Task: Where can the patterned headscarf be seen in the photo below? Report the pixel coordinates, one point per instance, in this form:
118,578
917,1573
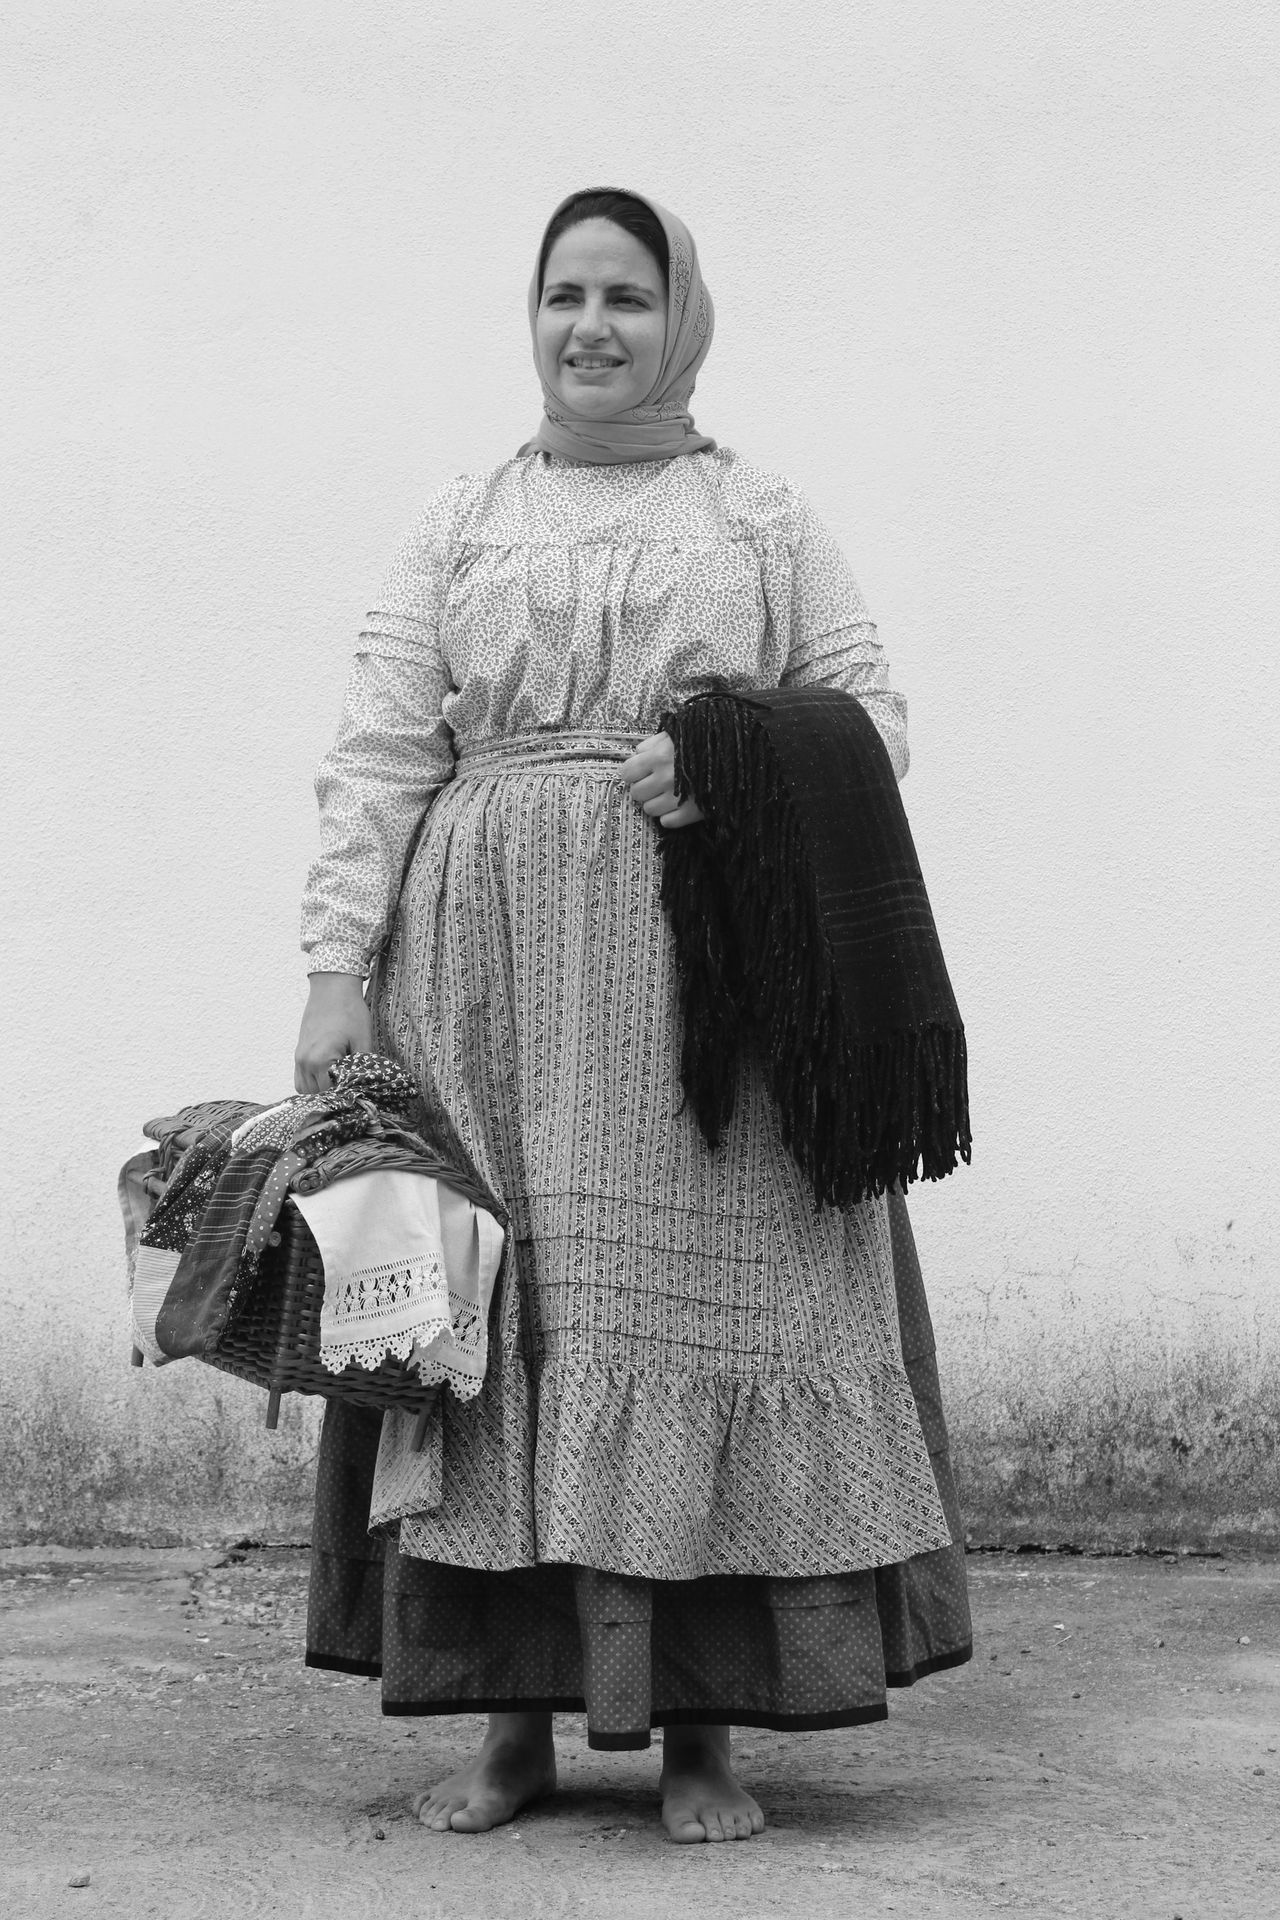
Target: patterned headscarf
662,426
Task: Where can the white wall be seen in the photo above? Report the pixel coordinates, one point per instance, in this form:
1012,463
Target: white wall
996,283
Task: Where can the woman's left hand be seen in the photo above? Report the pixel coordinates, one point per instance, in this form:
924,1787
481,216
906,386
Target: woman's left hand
651,775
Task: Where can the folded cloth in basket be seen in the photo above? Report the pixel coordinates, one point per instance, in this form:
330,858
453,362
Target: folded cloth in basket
200,1211
409,1270
163,1196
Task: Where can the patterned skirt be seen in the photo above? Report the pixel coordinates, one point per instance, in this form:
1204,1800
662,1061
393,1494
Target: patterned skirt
697,1411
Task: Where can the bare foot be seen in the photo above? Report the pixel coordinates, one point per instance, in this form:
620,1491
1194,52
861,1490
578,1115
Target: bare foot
701,1800
515,1764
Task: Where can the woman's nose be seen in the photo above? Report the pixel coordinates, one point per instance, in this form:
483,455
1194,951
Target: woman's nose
593,322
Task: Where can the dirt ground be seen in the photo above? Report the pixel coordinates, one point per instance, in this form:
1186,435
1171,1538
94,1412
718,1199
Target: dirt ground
1112,1750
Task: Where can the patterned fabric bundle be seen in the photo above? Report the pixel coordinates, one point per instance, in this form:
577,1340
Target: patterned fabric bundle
191,1322
800,917
365,1087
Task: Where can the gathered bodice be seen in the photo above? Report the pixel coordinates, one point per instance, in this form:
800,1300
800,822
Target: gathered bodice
550,596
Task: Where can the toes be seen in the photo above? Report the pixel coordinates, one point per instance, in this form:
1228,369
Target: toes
686,1830
480,1817
433,1812
757,1820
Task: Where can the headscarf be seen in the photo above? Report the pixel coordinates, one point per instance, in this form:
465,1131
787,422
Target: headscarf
662,425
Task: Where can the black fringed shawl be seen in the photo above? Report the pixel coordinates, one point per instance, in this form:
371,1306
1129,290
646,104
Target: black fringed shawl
801,921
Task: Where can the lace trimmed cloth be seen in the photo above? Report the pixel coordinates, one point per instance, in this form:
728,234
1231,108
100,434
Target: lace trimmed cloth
409,1267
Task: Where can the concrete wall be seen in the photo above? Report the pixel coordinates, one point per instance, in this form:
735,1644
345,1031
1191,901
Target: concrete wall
996,284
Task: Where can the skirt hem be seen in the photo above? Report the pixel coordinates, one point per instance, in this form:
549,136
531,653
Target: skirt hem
937,1663
899,1677
336,1663
639,1739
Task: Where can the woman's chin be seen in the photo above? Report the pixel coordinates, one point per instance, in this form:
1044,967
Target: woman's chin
595,402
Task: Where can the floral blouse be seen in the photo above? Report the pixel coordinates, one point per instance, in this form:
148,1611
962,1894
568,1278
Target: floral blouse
551,596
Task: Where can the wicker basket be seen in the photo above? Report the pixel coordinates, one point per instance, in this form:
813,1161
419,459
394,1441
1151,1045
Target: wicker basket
273,1337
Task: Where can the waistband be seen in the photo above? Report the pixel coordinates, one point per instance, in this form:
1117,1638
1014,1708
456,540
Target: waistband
591,754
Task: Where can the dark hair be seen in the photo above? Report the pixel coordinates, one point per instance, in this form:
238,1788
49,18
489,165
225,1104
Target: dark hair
608,203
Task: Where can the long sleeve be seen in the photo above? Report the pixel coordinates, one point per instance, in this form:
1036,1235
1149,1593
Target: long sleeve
392,753
833,641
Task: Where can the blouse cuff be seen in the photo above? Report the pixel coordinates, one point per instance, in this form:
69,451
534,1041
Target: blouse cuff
323,959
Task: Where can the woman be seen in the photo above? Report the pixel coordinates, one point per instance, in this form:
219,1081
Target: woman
695,1490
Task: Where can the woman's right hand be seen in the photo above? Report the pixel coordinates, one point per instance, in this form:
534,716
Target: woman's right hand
336,1022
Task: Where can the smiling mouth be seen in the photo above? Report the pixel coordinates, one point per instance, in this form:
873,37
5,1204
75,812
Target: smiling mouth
591,362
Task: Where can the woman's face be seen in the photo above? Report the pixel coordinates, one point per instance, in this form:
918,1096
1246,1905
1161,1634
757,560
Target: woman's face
602,320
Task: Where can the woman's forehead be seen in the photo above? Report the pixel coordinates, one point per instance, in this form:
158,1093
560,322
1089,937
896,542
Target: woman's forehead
596,251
